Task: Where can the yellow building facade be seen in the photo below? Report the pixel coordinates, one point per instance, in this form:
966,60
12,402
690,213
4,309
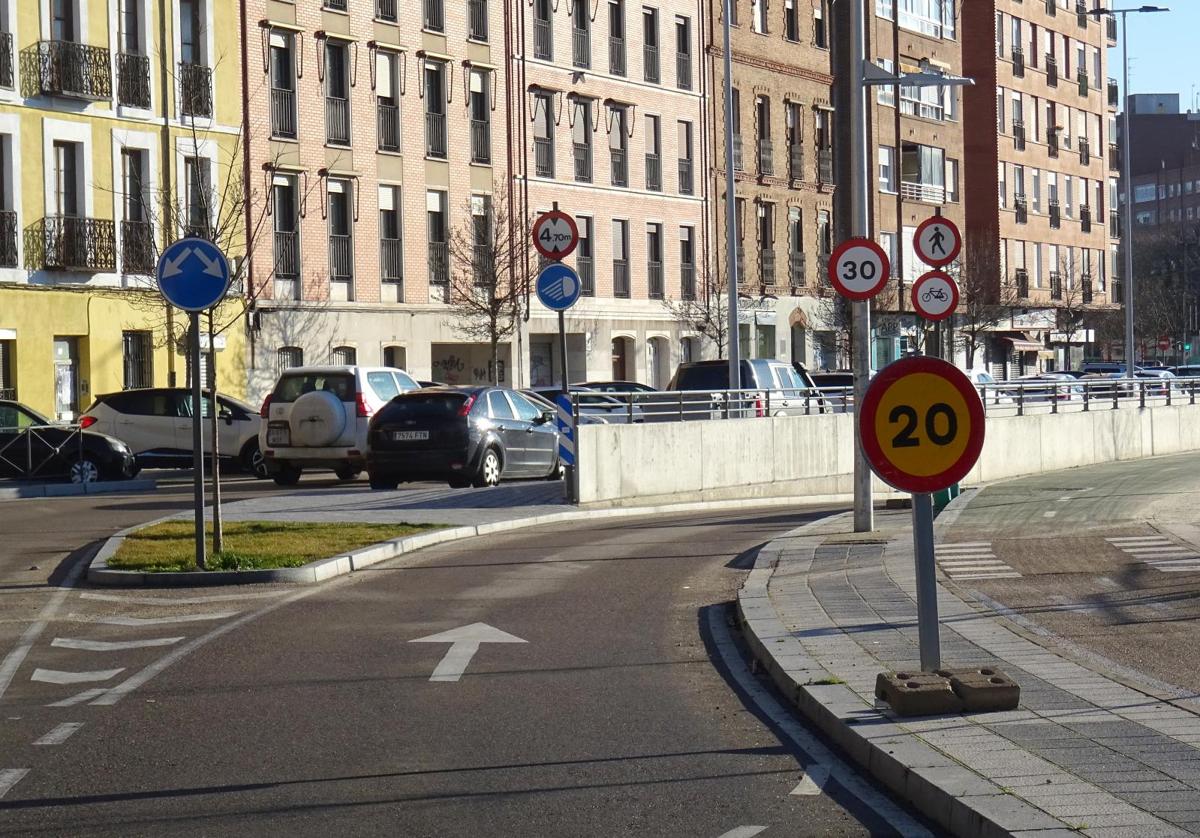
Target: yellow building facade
120,131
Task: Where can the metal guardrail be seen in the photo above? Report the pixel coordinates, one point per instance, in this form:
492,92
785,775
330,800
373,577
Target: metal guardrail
29,461
1004,398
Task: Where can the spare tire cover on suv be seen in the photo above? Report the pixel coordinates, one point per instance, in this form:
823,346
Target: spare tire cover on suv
317,419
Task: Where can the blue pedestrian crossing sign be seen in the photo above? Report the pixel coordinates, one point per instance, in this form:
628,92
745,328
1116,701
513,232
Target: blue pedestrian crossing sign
558,287
193,274
566,429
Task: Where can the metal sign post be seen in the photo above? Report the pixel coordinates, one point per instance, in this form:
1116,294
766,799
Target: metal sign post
193,274
927,608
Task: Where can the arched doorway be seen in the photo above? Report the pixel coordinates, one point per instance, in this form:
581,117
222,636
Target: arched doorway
658,362
622,359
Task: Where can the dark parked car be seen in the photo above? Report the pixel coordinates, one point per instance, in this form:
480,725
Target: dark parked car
31,446
777,388
619,387
542,402
836,387
463,435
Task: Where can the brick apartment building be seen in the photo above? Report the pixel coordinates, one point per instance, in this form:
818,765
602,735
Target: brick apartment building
783,167
1040,172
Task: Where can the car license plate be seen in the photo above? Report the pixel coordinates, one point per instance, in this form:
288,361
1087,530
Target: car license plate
279,436
409,436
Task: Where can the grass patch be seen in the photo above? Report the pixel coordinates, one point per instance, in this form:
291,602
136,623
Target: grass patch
831,681
250,545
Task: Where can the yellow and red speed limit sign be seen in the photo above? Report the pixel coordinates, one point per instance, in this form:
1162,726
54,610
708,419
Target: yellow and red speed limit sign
921,424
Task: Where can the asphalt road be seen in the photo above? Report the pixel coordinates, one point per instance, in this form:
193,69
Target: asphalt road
626,710
1108,557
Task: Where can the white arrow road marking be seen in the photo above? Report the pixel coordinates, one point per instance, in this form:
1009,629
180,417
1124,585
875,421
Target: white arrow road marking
171,267
9,777
153,621
58,676
813,782
464,643
59,734
12,662
744,832
79,698
191,600
111,646
211,266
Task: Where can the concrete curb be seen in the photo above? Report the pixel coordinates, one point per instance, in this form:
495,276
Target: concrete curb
63,490
99,573
941,788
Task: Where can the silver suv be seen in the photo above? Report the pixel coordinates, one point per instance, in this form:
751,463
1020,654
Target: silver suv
317,417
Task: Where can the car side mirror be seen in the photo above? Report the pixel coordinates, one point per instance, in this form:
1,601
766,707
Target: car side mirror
546,416
227,415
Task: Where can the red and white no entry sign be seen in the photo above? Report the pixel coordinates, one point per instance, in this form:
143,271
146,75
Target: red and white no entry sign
935,295
937,241
859,269
555,234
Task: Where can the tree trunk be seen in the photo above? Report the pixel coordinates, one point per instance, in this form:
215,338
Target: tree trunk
214,417
495,358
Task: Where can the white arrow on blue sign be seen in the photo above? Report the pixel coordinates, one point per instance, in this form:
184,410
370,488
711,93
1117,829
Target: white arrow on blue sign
566,429
193,274
558,287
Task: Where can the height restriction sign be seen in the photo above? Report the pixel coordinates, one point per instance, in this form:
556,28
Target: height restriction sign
555,235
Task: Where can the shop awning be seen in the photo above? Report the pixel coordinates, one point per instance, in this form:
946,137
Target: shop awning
1022,343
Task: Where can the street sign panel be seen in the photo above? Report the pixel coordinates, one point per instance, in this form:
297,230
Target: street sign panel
193,274
558,287
566,429
921,424
935,295
1164,343
937,241
858,269
555,234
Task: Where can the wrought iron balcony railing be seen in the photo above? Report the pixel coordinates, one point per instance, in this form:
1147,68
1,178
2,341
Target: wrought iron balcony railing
825,165
686,186
8,238
621,278
654,279
543,157
687,281
581,48
653,172
283,113
61,242
797,269
620,171
477,20
137,248
7,69
543,40
195,90
341,258
766,267
391,261
481,141
337,120
766,157
683,70
133,80
650,69
287,254
586,269
439,263
582,154
483,266
1110,28
796,161
65,68
616,56
387,115
386,10
336,5
435,135
435,15
1018,62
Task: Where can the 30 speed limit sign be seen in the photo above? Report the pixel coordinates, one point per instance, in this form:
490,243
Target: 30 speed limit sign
859,269
921,424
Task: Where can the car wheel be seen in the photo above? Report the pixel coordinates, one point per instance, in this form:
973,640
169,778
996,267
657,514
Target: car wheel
383,482
253,461
347,473
489,469
287,476
85,470
559,472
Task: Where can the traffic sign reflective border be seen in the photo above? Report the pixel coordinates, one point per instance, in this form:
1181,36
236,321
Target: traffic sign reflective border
921,424
950,249
555,234
935,295
859,269
193,274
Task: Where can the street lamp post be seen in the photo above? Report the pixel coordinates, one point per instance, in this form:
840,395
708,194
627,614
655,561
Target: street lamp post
1127,177
732,331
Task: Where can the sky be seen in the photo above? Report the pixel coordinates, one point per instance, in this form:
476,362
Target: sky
1162,51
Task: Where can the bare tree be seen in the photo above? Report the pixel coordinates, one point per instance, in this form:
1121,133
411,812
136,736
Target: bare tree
986,298
705,312
488,257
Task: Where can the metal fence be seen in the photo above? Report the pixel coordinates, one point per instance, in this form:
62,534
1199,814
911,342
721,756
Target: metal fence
32,453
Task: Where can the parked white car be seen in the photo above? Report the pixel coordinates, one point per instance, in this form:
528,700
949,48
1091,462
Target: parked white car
156,424
317,417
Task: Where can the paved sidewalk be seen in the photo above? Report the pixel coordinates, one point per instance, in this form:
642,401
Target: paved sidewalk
827,610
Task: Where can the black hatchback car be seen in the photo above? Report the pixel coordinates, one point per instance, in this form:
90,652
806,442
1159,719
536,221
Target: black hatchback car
33,447
463,435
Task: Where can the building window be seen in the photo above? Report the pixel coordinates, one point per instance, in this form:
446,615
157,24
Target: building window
341,241
66,179
766,243
820,31
581,140
824,234
683,53
952,181
923,173
289,357
824,138
481,126
887,168
737,130
391,245
435,109
387,100
619,168
796,266
137,357
687,263
654,260
283,85
686,163
343,356
758,16
885,94
137,239
477,20
650,63
483,257
435,15
197,202
395,357
437,226
766,156
543,135
543,33
195,77
337,93
581,34
584,256
285,212
616,37
791,21
620,247
653,154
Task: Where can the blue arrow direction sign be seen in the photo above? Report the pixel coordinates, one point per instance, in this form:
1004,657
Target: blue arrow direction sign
193,274
566,429
558,287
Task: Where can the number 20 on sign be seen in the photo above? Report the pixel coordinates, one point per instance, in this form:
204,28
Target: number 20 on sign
922,425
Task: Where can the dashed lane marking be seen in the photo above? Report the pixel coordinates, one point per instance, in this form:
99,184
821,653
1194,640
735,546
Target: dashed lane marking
79,698
111,645
743,832
58,676
59,734
137,622
9,777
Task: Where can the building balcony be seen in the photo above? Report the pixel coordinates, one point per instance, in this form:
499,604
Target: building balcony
1018,135
1114,157
283,113
391,261
687,281
654,279
133,80
287,254
650,68
337,120
1114,224
1085,218
795,161
586,269
1081,14
1051,70
686,185
825,165
683,70
1021,206
65,68
1055,215
481,141
616,56
341,258
1116,291
8,76
619,167
72,243
439,263
1021,280
929,193
653,173
766,267
195,90
582,154
581,48
8,239
387,116
797,270
1114,95
483,266
543,157
1018,62
543,40
137,248
1110,28
621,278
435,135
1056,285
477,20
766,157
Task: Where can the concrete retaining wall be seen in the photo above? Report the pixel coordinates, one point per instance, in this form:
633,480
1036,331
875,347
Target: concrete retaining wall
812,455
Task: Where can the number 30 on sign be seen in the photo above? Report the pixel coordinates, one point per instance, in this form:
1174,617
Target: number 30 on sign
858,269
921,424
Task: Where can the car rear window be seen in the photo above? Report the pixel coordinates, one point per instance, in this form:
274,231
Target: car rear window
292,387
703,377
426,406
145,403
383,384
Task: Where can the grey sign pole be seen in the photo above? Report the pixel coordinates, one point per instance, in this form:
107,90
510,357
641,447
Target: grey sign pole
927,608
569,477
197,437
